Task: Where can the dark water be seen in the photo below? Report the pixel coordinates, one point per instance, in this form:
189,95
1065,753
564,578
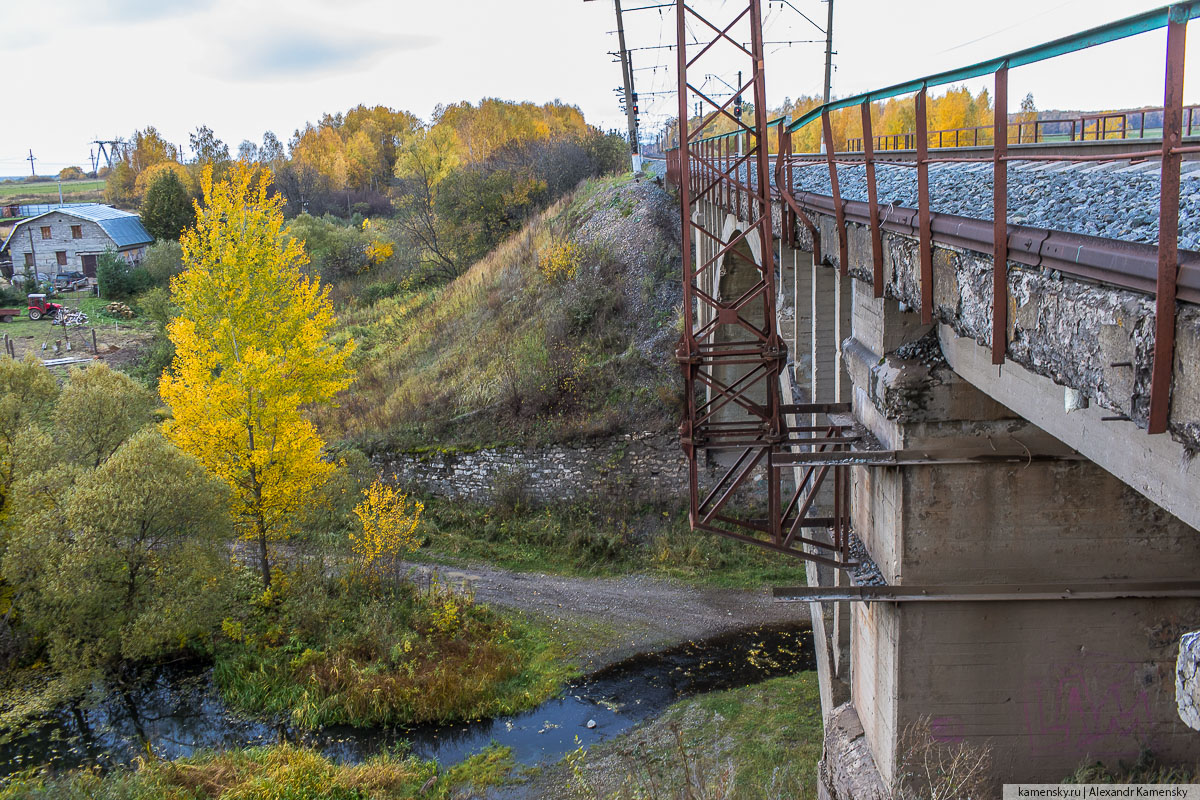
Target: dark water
175,711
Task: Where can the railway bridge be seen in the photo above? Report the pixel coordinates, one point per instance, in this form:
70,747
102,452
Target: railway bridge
976,421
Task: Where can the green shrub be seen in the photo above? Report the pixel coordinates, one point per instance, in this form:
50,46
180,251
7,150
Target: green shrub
12,296
381,290
155,304
118,279
361,651
163,261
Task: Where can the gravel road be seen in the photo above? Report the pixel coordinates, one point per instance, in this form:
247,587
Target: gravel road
605,620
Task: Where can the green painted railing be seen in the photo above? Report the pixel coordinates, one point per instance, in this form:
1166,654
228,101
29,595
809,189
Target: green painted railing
1111,32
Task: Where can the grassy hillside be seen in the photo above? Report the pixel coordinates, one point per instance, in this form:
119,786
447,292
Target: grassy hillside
566,330
758,742
85,191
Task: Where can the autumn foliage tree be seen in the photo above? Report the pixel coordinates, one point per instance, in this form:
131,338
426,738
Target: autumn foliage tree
251,351
954,108
389,521
139,153
477,172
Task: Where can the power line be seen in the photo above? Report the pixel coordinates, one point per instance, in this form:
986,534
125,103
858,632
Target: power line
801,13
1009,27
647,8
744,44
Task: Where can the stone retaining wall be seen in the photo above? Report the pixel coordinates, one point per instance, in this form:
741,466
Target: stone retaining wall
643,468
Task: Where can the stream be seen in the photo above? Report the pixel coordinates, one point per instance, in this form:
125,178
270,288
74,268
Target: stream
174,711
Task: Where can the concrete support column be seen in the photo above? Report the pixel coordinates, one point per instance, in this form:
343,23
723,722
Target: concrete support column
823,338
802,299
1043,685
843,305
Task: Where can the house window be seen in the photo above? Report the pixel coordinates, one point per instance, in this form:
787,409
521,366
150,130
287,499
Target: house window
29,259
45,231
76,231
61,255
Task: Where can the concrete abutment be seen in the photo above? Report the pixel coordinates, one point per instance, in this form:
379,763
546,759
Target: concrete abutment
1042,685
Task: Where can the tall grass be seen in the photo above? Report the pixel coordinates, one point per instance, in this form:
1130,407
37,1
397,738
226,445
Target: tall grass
505,351
1146,768
598,537
759,742
279,772
357,652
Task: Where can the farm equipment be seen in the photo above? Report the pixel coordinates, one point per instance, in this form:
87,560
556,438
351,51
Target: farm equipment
40,307
9,314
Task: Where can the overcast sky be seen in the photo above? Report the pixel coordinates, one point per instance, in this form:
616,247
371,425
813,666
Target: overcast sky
85,69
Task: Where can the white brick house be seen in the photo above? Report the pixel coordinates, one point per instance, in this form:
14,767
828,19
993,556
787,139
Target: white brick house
70,238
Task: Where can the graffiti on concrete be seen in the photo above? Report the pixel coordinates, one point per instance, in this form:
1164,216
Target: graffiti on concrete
1096,707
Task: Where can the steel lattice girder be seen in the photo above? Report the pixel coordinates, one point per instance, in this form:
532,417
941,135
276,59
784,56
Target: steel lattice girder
739,334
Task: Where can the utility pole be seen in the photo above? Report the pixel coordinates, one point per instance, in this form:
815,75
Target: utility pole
32,258
829,51
31,159
630,98
737,112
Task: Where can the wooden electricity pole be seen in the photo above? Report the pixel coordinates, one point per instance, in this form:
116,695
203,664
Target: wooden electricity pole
630,99
829,51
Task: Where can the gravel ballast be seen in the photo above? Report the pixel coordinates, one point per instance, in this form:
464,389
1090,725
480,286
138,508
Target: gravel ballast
1112,200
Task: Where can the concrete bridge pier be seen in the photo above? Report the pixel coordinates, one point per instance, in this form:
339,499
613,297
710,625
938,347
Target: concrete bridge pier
1042,685
817,301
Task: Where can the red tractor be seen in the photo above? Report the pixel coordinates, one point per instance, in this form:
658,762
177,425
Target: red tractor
40,307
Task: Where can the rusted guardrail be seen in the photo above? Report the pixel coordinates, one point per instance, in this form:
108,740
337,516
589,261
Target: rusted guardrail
721,160
1106,126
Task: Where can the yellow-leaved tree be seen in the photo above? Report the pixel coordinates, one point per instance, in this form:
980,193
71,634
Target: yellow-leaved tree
252,349
389,526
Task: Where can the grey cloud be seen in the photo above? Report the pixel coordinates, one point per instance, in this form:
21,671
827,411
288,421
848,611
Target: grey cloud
299,53
65,14
131,11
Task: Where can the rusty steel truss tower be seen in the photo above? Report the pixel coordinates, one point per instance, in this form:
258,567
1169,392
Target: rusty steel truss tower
736,425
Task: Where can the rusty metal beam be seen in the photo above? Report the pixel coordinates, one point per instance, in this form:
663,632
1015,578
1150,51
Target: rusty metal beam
1000,220
925,233
1130,265
954,593
741,377
1168,229
836,193
917,457
872,203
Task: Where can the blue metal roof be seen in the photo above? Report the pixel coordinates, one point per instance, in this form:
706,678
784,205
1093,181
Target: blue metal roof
124,228
127,231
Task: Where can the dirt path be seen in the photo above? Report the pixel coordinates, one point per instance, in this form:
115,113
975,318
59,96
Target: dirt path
603,620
